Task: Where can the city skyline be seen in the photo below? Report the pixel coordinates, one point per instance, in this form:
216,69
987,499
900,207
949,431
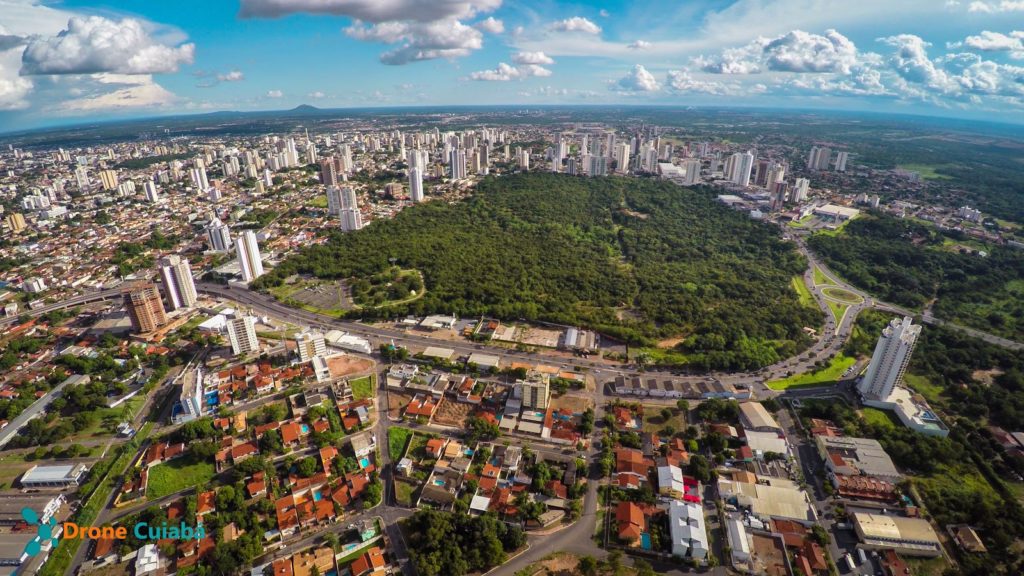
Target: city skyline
84,60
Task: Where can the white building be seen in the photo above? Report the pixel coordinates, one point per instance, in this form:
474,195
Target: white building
621,156
416,184
819,158
741,166
738,540
800,187
351,217
890,359
242,334
249,258
310,344
152,194
179,286
686,526
219,235
691,167
841,159
457,164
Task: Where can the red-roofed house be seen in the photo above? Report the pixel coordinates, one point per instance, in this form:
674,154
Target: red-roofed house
631,522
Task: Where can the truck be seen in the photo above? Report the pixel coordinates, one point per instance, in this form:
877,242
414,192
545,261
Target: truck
862,557
849,562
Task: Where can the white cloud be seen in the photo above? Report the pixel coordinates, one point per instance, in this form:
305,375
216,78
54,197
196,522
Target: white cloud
232,76
911,62
95,44
989,41
490,25
14,89
795,51
532,58
317,95
603,13
576,24
370,10
638,80
420,40
505,72
274,94
132,91
639,45
991,7
682,81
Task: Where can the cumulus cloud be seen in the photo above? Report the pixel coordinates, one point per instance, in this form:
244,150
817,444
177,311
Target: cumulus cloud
274,94
505,72
420,40
576,24
370,10
988,41
911,62
95,44
639,45
129,91
638,80
681,81
13,88
317,95
795,51
603,13
532,58
232,76
490,25
992,7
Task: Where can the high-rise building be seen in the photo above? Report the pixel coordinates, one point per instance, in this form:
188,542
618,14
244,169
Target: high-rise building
819,158
145,308
523,159
351,217
890,359
457,164
82,178
15,222
800,187
621,157
536,390
179,286
416,184
108,178
242,335
333,200
219,235
152,195
742,165
841,158
199,179
249,258
691,168
329,172
310,344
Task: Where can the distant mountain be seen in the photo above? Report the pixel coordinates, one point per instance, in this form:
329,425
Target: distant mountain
305,109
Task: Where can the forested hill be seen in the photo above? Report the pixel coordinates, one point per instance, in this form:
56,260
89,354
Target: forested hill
633,258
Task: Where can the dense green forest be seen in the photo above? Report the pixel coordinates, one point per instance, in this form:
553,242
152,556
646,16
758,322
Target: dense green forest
909,264
636,259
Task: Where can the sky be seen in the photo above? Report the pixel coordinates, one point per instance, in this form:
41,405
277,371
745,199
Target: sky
73,61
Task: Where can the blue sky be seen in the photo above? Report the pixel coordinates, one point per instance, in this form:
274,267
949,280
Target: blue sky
66,62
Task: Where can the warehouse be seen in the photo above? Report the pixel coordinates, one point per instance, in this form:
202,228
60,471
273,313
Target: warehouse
907,536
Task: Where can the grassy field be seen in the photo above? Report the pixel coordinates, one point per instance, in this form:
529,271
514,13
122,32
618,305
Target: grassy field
820,279
827,375
838,310
318,202
802,292
882,418
404,492
111,416
841,295
924,387
362,387
14,465
177,475
927,171
397,439
653,422
926,566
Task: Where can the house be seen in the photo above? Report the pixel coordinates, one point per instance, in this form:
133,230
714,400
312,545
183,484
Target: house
321,558
686,527
369,562
631,467
670,481
421,406
631,522
435,447
205,504
363,444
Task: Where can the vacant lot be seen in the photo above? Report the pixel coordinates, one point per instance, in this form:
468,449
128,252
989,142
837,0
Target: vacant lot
344,365
405,492
397,439
576,404
396,402
177,475
655,422
452,413
827,375
362,387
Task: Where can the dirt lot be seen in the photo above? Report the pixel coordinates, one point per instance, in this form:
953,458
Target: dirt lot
452,413
397,401
346,365
539,336
577,404
768,557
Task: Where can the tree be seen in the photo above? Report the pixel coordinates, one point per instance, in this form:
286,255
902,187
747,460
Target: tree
643,568
307,467
587,566
683,406
699,468
271,442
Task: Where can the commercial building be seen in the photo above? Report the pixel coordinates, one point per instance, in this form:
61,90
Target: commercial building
15,223
249,259
179,286
535,390
856,456
754,416
310,344
907,536
686,526
836,212
779,499
890,359
242,335
54,476
145,308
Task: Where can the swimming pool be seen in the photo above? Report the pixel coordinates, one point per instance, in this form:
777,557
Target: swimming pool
317,496
645,541
364,462
305,428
